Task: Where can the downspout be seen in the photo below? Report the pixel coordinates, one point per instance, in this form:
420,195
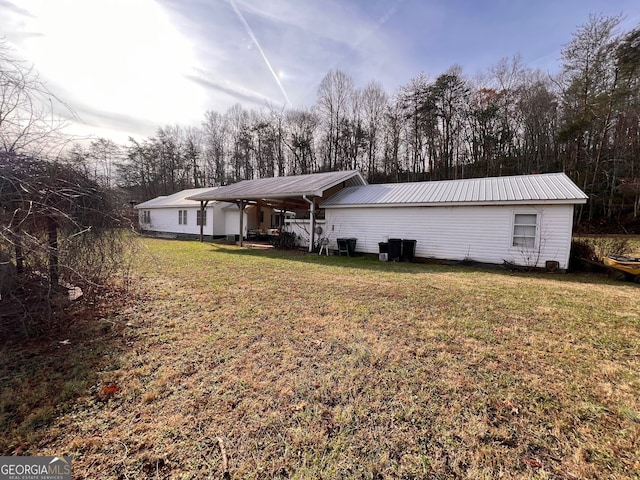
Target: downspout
312,207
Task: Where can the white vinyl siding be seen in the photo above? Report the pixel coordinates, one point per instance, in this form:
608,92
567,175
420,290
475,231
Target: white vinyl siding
232,222
166,220
481,233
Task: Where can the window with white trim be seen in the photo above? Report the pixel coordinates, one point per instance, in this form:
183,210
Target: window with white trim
201,214
182,217
146,216
525,227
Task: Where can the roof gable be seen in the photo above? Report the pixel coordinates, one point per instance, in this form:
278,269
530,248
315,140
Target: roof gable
545,188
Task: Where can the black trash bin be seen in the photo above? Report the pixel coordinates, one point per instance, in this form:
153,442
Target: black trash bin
347,246
383,247
351,246
395,249
343,246
408,250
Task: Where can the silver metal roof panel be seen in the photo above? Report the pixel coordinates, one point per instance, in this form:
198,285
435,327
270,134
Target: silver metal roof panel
545,188
178,199
281,187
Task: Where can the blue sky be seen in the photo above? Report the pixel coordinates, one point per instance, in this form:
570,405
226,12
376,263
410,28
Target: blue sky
127,67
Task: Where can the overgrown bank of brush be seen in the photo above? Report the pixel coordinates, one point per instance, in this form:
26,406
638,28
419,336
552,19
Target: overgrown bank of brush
314,367
59,230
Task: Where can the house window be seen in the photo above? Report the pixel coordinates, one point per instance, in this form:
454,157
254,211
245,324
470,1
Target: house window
201,214
146,216
182,217
525,226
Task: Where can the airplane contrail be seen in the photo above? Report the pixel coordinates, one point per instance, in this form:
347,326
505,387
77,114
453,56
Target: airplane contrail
255,41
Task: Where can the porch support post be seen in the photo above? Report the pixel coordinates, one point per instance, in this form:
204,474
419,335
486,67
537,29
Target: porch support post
283,211
203,206
312,222
241,206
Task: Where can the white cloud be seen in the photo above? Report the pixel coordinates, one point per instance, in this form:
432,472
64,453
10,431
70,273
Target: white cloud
115,56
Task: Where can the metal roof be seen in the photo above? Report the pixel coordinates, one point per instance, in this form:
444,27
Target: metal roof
178,199
545,188
313,184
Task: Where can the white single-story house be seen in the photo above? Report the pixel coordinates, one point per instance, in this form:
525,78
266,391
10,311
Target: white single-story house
176,214
525,220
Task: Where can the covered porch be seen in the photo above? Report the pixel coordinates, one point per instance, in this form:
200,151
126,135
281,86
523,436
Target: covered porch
301,194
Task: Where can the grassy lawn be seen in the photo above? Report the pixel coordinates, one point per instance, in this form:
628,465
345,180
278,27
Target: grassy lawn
302,366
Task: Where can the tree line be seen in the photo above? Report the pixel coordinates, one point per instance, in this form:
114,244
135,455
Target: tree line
509,120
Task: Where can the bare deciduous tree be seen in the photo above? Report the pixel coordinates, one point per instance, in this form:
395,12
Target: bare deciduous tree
334,95
374,105
28,122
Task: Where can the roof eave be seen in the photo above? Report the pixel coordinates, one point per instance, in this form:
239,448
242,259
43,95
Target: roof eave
159,207
460,204
266,197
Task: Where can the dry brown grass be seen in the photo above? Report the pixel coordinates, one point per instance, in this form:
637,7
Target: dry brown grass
315,367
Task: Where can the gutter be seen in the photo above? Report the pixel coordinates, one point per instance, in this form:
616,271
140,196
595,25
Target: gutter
576,201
